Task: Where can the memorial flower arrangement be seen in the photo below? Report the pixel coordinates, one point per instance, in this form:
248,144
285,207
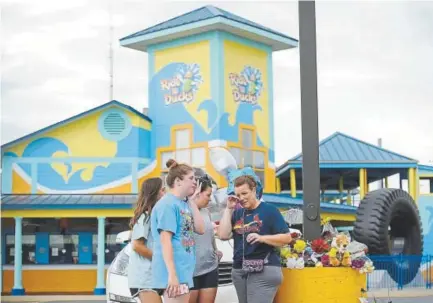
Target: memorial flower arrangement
332,249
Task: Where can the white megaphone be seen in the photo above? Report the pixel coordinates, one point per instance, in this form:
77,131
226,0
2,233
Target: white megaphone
222,160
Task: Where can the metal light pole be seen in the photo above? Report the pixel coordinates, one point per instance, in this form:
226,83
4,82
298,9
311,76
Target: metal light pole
309,118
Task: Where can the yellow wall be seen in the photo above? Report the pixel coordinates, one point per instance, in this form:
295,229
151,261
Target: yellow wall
236,57
52,281
194,53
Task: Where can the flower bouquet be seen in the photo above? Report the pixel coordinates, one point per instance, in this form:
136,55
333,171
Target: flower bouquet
332,249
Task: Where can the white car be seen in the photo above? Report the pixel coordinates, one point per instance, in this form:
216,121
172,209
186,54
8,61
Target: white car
117,274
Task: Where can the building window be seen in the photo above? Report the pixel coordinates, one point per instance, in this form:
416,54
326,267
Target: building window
247,155
64,249
183,153
28,249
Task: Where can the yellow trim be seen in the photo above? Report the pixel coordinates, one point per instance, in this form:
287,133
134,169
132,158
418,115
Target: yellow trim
269,174
339,217
412,182
349,198
278,185
362,183
67,213
293,182
425,176
427,195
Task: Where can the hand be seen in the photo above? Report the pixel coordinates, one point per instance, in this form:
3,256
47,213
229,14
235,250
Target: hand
254,238
232,201
195,194
219,254
173,287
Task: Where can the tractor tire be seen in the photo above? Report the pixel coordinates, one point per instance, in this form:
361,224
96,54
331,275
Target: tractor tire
384,216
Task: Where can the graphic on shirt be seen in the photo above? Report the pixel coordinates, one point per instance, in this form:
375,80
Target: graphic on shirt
251,227
187,231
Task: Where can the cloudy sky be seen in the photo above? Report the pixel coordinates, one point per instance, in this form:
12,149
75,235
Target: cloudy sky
375,64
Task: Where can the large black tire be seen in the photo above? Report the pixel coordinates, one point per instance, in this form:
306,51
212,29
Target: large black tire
395,209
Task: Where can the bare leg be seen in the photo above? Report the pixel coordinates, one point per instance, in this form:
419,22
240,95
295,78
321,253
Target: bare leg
149,297
194,296
207,295
180,299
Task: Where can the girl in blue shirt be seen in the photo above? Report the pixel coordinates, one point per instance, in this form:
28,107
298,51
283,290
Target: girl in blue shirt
139,268
174,220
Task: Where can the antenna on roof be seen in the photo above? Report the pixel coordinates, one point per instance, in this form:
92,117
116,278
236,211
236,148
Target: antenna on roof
110,52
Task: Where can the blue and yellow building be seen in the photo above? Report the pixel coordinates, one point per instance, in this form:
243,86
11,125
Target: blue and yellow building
68,189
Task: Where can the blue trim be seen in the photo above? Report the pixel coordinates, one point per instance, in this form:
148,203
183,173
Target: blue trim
7,174
75,118
100,277
42,248
150,68
207,36
64,206
99,291
271,105
18,260
18,292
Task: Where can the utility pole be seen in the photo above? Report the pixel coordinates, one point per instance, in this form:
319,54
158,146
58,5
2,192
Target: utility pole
110,52
309,117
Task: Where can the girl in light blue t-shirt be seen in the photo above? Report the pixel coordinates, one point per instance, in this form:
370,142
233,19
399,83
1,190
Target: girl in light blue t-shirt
174,222
140,260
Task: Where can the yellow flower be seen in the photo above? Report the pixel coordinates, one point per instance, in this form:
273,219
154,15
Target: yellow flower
299,246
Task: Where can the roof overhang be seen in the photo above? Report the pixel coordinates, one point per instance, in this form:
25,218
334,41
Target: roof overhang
346,164
277,42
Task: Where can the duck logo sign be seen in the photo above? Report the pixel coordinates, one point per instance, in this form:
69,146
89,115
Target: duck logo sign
183,85
246,86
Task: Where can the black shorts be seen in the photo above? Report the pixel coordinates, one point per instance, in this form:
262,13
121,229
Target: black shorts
136,291
209,280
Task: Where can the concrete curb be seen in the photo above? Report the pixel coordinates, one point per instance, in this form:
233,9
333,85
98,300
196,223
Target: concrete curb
410,293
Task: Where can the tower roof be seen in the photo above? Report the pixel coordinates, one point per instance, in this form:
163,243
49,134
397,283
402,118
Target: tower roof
207,18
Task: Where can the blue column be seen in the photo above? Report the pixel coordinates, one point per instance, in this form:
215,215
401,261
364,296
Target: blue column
2,246
18,289
100,277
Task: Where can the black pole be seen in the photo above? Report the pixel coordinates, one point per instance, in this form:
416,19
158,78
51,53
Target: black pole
309,118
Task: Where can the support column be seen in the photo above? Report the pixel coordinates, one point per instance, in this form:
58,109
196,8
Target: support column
412,182
349,197
293,182
341,188
431,186
278,185
18,289
362,185
386,182
100,276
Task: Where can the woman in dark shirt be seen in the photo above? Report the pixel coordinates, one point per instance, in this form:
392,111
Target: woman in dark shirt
257,228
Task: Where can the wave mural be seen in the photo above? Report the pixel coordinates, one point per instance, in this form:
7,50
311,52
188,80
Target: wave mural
57,176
